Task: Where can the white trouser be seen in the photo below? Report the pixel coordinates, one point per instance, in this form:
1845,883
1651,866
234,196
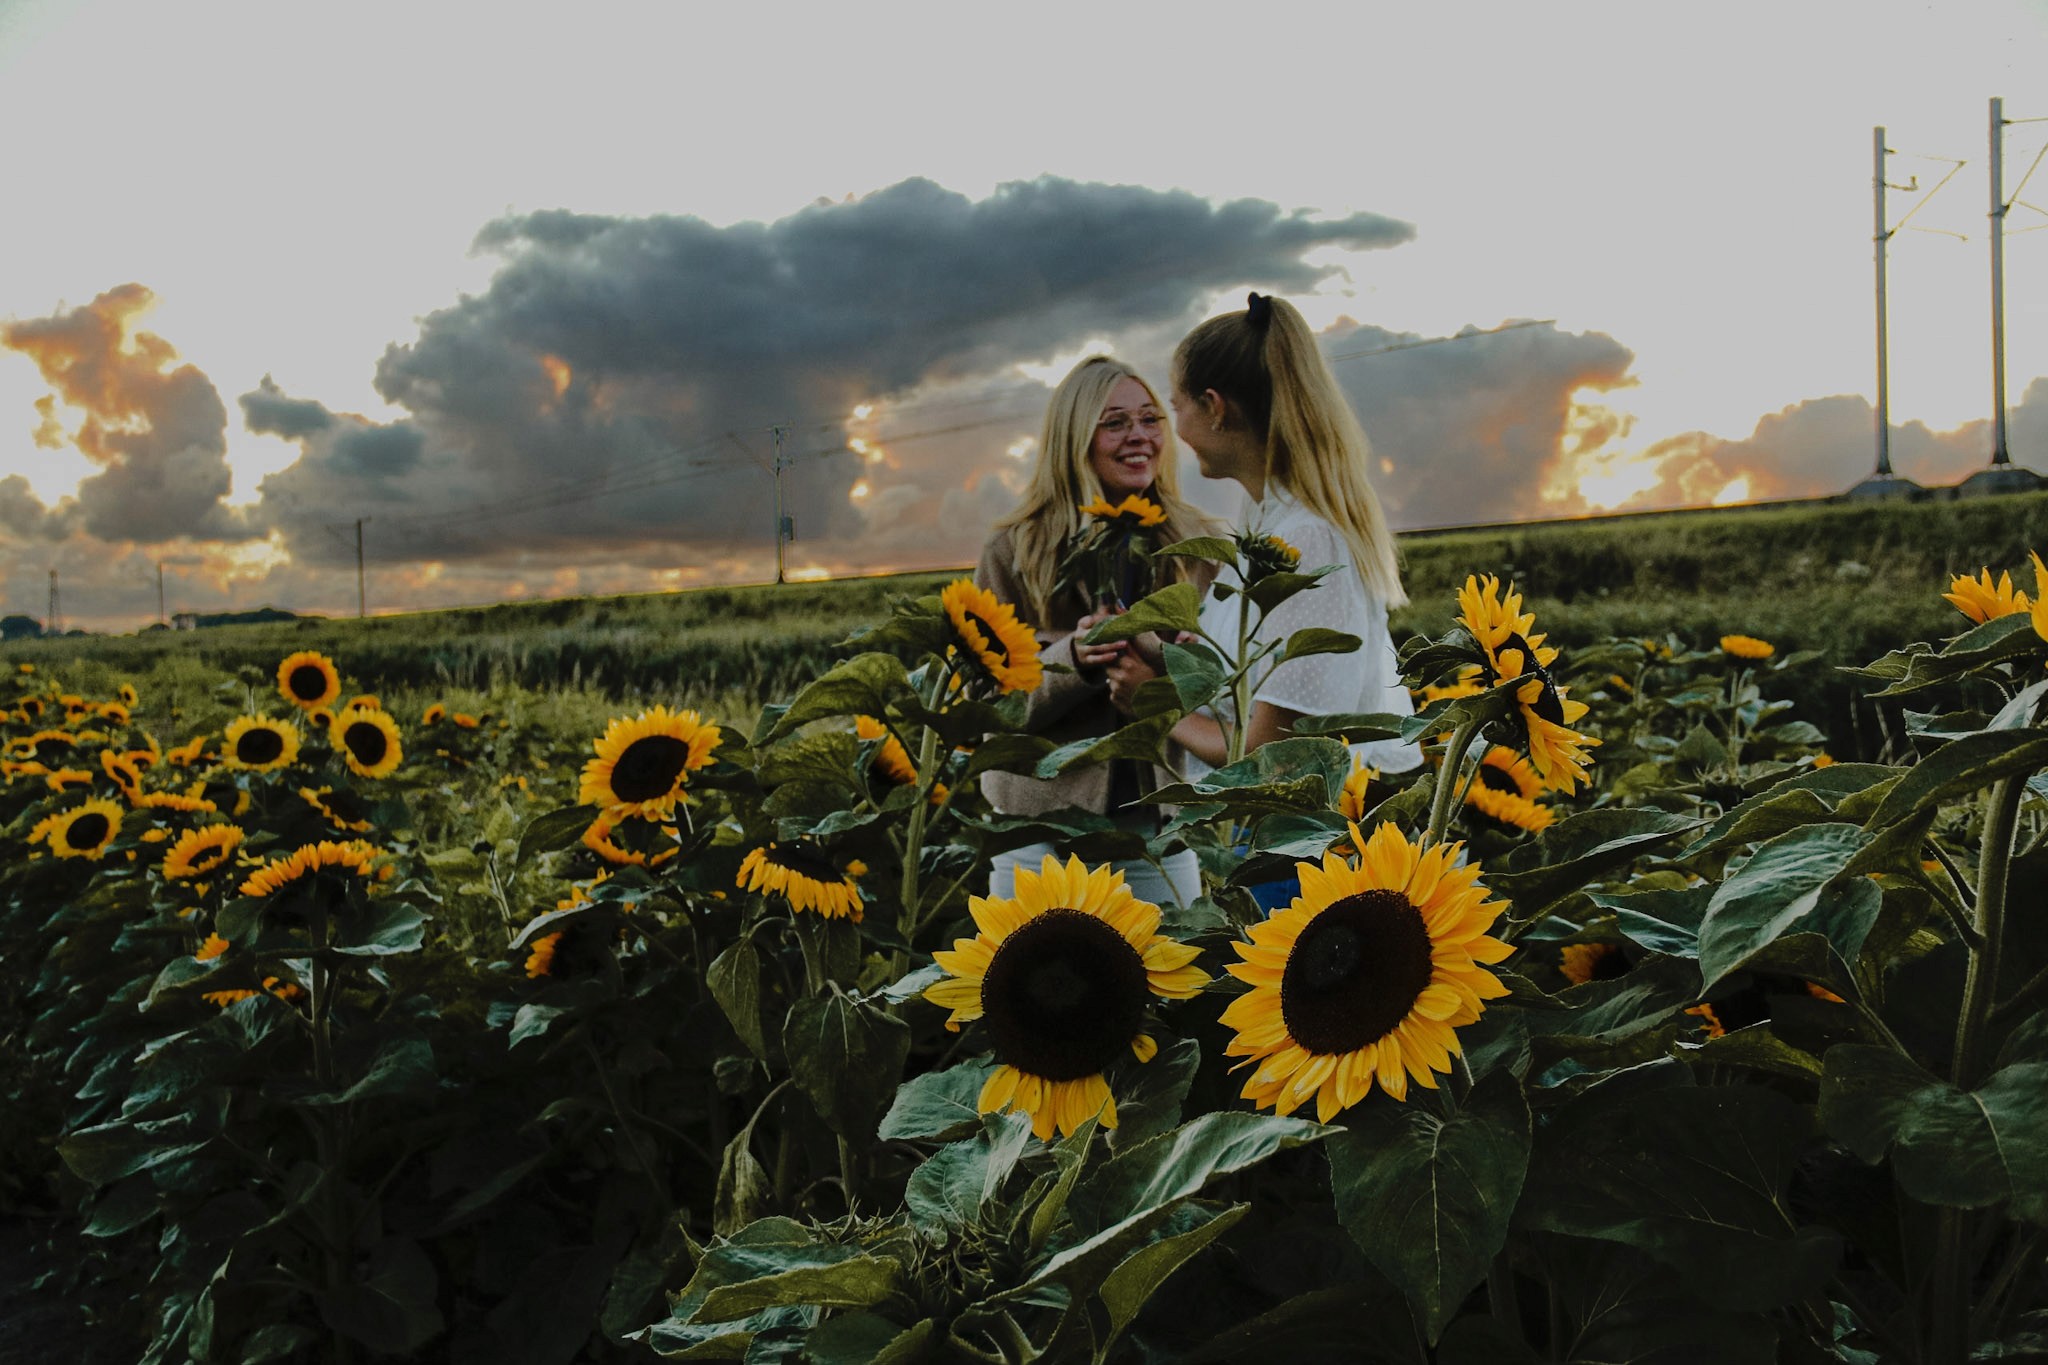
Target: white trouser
1180,885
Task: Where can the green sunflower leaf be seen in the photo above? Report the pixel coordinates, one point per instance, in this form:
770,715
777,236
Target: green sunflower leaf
1174,1165
1918,666
1695,1177
1127,1289
735,981
1141,740
865,685
1428,1198
847,1057
1215,549
1960,767
937,1104
1582,850
1173,609
557,829
1949,1147
1197,671
1318,640
1791,881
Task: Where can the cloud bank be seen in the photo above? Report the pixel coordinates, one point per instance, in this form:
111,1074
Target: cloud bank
598,419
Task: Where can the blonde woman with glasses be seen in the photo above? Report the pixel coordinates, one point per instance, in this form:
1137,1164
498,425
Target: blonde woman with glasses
1106,437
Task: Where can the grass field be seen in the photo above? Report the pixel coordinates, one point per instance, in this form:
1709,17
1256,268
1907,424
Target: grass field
1851,581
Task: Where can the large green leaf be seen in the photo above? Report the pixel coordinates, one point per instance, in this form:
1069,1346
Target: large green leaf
1428,1198
1289,775
1919,666
1141,740
1665,921
1197,672
1952,1147
950,1187
1215,549
391,1308
1150,1103
855,1282
864,685
848,1057
1126,1289
1174,1165
1580,850
102,1155
1959,768
1694,1177
1173,609
937,1104
1318,640
735,980
557,829
1789,882
403,1066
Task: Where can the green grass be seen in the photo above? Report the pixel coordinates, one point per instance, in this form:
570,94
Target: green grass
1849,580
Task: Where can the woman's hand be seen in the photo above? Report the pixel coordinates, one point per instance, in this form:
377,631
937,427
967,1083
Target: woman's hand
1126,676
1095,656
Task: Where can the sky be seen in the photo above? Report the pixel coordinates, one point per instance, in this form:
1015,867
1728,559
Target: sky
525,290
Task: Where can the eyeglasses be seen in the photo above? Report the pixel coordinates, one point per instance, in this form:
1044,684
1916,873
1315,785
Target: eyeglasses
1119,424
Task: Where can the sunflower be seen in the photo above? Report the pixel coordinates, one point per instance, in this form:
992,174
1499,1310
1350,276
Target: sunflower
113,711
1134,511
1545,712
341,809
1710,1022
185,755
368,741
200,852
643,763
801,874
598,839
130,698
1982,600
1061,974
364,701
127,776
1265,555
259,744
1365,977
541,960
59,779
214,946
1583,962
321,718
1509,809
992,637
464,721
44,746
308,679
84,831
353,857
177,801
1352,802
1466,684
433,715
1502,769
2039,611
892,760
31,708
1747,647
283,990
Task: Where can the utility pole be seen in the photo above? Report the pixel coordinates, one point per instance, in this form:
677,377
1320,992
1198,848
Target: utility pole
782,526
50,622
161,619
362,607
2000,454
1884,370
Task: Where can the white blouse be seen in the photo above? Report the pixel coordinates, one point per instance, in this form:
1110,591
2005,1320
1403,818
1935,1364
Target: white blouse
1368,679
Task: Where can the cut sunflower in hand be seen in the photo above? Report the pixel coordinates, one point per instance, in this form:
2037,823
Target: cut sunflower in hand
1365,978
1136,510
308,679
997,645
1061,975
643,763
259,744
800,872
367,740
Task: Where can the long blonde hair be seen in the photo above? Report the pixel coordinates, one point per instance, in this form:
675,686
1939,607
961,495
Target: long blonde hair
1265,361
1064,478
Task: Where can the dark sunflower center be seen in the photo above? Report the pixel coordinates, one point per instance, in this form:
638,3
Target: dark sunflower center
1609,964
366,742
1498,779
207,859
805,861
1355,972
87,830
261,745
649,768
1063,996
995,642
50,749
307,682
342,806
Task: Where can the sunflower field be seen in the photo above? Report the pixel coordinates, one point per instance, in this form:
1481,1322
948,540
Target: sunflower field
1630,1024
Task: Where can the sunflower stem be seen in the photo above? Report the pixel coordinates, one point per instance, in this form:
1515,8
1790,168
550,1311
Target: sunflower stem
1953,1267
920,809
1441,804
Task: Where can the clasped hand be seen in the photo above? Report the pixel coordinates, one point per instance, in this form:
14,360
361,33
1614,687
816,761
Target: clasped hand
1127,665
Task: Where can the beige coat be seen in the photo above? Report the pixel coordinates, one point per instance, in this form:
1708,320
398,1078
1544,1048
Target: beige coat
1068,705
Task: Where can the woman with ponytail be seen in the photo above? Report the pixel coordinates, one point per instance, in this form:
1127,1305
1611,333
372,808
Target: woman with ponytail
1106,438
1254,399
